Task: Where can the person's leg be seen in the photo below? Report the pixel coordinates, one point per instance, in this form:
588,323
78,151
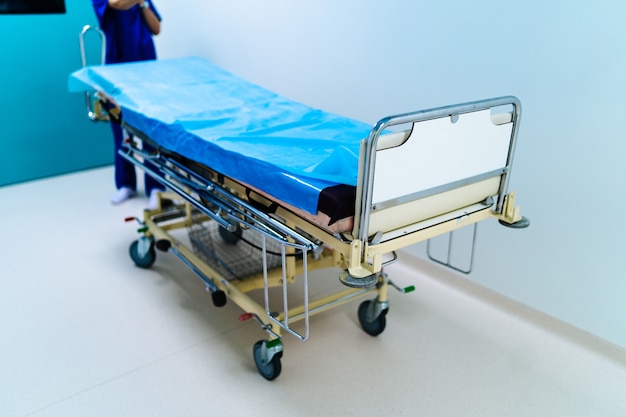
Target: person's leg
125,177
152,186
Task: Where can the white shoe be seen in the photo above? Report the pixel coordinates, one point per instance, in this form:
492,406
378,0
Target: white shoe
153,202
122,195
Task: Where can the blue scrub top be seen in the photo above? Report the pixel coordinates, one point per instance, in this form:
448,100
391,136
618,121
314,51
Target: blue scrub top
128,37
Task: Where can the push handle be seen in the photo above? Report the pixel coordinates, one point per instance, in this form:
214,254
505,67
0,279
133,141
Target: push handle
94,110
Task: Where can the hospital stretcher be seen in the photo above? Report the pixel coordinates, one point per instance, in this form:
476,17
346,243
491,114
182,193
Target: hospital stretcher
250,237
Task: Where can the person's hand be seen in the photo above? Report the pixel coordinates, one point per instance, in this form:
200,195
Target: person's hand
124,4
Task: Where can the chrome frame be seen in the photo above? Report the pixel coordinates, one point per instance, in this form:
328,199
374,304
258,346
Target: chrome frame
94,114
371,145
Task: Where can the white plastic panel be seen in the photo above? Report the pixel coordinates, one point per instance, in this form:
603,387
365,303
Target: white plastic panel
439,152
407,214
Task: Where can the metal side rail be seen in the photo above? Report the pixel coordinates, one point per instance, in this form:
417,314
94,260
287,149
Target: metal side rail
222,205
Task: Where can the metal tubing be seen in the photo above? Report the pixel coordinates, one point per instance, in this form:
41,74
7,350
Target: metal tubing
245,302
191,266
81,42
440,189
448,262
284,323
254,218
93,116
332,301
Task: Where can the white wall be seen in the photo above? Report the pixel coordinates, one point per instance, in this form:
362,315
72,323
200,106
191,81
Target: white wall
371,59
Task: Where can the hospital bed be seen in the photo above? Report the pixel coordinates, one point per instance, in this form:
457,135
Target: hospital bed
269,190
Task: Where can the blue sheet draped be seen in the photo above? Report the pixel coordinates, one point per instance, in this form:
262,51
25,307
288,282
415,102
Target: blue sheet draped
246,132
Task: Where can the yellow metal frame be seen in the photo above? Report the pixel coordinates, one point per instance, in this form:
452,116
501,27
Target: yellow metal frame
361,263
238,291
337,254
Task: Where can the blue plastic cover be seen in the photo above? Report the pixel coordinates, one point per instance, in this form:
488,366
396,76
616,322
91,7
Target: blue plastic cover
237,128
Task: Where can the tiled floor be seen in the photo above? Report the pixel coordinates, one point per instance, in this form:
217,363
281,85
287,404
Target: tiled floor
85,333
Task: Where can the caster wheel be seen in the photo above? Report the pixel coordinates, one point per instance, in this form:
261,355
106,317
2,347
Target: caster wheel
142,252
372,327
268,368
219,298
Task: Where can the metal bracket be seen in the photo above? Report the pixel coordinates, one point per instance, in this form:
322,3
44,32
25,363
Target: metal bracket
144,244
448,258
375,309
269,349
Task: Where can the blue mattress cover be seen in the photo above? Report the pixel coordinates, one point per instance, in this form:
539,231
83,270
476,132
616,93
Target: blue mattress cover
246,132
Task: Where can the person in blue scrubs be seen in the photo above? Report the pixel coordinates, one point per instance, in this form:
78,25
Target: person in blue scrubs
129,26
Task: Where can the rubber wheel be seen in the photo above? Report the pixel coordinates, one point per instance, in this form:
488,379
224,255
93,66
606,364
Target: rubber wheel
145,261
271,370
373,328
219,298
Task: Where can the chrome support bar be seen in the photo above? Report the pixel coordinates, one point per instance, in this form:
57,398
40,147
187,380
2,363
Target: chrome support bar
93,111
